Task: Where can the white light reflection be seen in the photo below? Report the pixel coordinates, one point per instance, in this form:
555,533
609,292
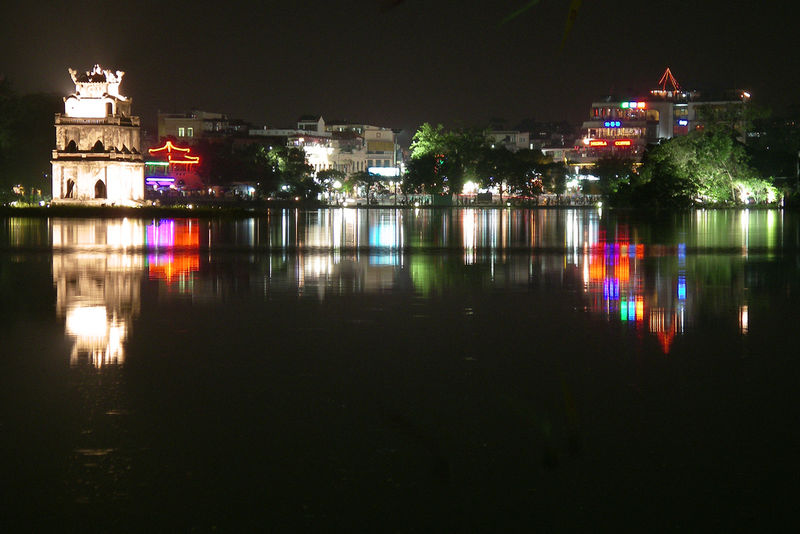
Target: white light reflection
744,320
97,273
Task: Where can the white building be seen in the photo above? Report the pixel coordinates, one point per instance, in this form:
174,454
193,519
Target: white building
510,139
98,157
348,147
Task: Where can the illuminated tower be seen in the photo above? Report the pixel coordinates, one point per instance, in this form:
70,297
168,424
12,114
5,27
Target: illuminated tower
97,159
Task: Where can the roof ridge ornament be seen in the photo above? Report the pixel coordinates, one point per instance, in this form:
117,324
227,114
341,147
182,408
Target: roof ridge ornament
668,78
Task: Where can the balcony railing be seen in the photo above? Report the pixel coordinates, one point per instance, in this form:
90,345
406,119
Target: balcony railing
110,120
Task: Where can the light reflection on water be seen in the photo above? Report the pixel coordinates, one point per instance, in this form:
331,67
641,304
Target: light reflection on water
649,276
418,352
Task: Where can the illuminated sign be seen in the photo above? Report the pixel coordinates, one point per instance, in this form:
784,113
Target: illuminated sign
388,172
683,122
612,124
622,142
633,105
598,142
160,180
175,154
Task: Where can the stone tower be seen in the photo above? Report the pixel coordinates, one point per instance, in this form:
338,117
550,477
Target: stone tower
98,157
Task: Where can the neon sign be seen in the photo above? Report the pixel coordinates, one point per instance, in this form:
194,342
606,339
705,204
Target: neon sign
683,122
598,142
633,105
612,124
622,142
181,155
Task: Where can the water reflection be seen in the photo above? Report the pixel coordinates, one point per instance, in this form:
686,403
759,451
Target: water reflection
97,272
651,277
172,252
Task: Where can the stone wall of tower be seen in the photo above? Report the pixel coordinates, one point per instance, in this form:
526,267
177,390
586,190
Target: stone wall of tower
112,136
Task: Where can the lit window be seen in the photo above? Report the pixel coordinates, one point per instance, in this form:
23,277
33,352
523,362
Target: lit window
189,132
181,132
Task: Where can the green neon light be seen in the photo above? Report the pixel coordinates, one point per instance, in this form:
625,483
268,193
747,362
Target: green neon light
159,163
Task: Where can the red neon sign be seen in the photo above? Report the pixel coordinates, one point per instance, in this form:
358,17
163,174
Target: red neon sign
622,142
181,154
598,142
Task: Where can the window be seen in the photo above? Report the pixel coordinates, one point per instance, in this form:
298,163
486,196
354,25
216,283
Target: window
189,132
369,163
386,163
181,132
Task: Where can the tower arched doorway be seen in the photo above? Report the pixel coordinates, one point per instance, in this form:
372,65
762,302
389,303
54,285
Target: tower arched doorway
70,189
99,189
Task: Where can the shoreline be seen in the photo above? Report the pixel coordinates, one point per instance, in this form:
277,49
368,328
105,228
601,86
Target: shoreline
255,210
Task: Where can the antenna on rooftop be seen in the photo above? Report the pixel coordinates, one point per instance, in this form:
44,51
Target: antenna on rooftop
668,78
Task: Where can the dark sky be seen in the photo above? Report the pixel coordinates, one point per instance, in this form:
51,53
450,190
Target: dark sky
421,60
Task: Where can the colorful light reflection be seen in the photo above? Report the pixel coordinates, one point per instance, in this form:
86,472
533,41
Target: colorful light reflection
170,260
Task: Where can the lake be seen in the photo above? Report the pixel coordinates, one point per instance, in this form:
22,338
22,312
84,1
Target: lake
378,370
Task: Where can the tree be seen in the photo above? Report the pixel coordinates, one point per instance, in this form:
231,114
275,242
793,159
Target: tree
26,138
708,167
614,173
498,167
555,179
294,173
328,177
420,175
428,141
362,179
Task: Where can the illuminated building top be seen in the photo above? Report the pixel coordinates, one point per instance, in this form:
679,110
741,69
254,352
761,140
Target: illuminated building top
97,94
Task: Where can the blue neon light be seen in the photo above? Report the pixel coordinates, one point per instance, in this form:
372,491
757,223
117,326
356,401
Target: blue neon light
612,124
683,122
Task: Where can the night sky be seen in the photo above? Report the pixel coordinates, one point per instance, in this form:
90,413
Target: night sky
398,63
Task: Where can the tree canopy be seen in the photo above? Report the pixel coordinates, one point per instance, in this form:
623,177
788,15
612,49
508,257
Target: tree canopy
704,167
442,161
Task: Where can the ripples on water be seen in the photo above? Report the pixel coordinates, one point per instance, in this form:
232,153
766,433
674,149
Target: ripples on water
448,364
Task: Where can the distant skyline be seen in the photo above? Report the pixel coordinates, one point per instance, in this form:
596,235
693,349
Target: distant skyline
403,62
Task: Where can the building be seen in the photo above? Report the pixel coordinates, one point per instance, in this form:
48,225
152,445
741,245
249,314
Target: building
192,126
625,126
512,140
172,168
345,146
97,159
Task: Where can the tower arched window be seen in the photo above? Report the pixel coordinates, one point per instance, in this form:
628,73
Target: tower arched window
72,146
99,189
98,147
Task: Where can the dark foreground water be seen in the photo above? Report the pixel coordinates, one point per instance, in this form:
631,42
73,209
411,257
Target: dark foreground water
401,371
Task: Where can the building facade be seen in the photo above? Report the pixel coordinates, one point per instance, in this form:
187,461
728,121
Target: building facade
192,126
625,126
97,159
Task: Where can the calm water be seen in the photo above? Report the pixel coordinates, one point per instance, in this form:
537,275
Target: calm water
401,371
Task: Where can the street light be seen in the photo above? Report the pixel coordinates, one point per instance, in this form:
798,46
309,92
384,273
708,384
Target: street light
337,185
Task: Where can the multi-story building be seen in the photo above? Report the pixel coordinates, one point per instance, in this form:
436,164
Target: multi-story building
196,124
510,139
625,126
348,147
98,152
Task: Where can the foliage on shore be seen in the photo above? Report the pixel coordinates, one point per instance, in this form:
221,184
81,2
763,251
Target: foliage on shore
703,168
443,161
